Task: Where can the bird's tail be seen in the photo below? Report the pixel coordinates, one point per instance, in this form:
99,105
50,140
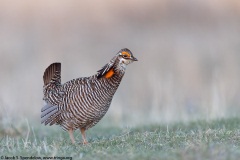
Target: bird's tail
52,79
52,74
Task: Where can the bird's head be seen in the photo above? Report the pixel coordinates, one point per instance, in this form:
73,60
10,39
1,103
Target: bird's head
125,57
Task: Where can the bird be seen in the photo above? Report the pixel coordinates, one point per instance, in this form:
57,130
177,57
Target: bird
82,102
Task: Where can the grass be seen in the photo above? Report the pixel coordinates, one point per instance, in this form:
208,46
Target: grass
217,139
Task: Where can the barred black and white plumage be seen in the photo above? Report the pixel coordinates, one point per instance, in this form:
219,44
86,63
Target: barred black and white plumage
82,102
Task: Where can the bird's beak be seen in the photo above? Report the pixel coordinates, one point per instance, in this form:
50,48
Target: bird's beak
134,59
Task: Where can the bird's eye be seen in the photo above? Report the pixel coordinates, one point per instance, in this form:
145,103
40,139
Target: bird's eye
124,56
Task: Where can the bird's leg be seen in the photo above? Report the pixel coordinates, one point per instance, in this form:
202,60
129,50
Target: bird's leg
71,135
83,135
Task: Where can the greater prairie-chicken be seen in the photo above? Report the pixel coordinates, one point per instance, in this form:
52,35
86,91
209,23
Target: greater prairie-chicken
82,102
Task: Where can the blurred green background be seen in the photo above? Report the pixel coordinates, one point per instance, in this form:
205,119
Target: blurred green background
188,52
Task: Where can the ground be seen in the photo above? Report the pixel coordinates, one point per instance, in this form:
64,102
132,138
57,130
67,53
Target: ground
215,139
